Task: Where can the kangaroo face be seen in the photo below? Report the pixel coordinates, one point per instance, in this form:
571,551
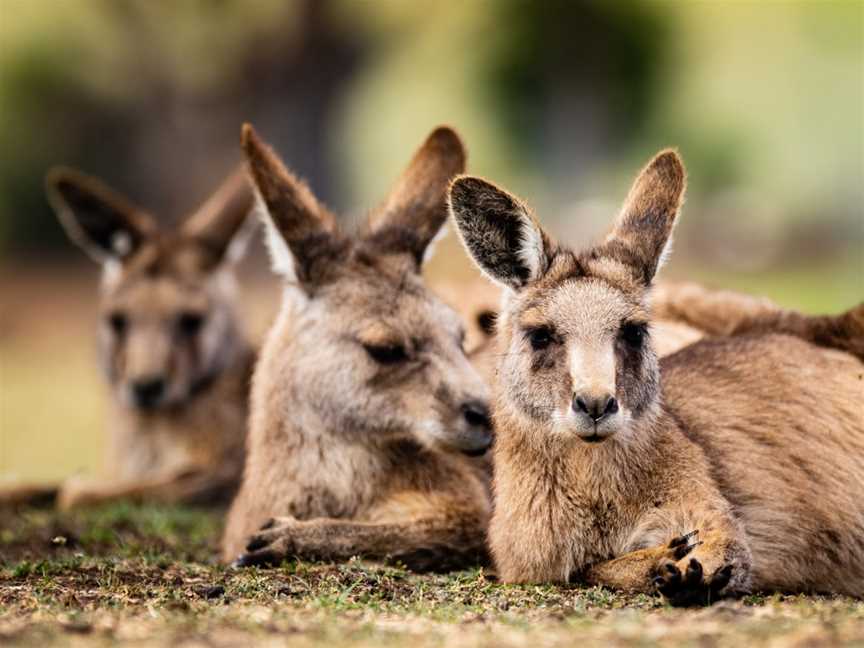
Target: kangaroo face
576,356
167,327
577,359
380,356
166,330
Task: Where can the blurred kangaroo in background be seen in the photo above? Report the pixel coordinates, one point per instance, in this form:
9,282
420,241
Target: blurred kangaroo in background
734,464
169,341
364,403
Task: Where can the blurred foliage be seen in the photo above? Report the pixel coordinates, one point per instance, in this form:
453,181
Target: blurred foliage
559,100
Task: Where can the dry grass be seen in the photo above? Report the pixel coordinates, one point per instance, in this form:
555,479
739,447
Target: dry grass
146,576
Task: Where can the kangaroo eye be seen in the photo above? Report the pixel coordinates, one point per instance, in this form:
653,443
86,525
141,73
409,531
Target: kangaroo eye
540,337
189,324
386,354
118,323
633,334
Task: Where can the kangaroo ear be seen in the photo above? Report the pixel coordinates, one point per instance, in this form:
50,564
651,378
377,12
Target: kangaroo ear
499,232
644,227
219,223
99,220
415,211
300,231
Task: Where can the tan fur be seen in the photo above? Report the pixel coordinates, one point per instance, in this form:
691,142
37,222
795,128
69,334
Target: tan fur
360,394
743,469
167,316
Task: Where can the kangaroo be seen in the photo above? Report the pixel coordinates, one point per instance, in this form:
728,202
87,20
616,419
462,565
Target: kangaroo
735,464
170,344
363,401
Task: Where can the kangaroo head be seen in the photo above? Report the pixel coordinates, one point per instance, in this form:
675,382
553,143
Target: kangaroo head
167,326
362,339
576,356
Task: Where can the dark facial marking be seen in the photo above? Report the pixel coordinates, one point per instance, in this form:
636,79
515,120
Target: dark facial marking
635,380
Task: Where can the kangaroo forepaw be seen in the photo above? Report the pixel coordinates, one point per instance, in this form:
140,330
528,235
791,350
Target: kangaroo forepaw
272,544
687,585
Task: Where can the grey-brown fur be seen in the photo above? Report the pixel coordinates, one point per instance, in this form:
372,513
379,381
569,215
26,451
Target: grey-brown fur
363,399
170,344
735,464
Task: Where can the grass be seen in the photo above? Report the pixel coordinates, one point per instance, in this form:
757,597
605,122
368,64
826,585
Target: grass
147,576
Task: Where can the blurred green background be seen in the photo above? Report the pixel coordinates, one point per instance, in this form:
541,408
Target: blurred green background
559,101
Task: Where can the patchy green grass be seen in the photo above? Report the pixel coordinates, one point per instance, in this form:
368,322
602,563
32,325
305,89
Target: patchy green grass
147,576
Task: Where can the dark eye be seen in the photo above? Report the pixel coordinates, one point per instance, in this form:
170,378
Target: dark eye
540,337
189,324
118,323
486,321
386,354
633,334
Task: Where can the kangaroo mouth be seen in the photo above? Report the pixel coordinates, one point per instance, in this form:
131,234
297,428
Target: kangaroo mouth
594,438
476,452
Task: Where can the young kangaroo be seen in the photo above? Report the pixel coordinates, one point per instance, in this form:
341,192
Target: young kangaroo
169,342
363,391
735,464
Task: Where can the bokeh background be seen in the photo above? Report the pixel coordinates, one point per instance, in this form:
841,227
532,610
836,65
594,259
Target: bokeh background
560,101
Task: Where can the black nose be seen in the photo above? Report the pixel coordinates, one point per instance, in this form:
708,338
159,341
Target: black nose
477,414
595,407
148,391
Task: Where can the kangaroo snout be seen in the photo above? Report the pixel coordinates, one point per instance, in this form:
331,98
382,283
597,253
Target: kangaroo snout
595,407
596,415
148,392
477,437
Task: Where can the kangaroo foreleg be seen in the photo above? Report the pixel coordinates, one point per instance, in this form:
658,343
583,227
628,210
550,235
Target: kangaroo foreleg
438,543
193,486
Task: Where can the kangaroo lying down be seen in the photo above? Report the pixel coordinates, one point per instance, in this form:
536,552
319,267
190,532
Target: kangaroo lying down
363,401
735,464
363,397
170,345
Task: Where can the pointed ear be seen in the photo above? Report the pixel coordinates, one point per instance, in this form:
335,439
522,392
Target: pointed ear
99,220
415,211
499,232
300,231
644,227
219,223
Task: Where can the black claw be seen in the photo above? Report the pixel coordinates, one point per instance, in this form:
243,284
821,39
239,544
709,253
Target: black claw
721,578
259,559
255,544
683,550
682,540
693,576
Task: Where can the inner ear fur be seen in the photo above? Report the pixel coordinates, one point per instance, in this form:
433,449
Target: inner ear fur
644,228
499,232
105,224
218,223
415,210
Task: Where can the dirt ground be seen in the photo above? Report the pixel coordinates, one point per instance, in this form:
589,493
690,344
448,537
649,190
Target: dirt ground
146,576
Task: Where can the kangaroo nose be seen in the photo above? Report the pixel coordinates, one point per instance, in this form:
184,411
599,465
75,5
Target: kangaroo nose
148,391
595,407
477,414
477,439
